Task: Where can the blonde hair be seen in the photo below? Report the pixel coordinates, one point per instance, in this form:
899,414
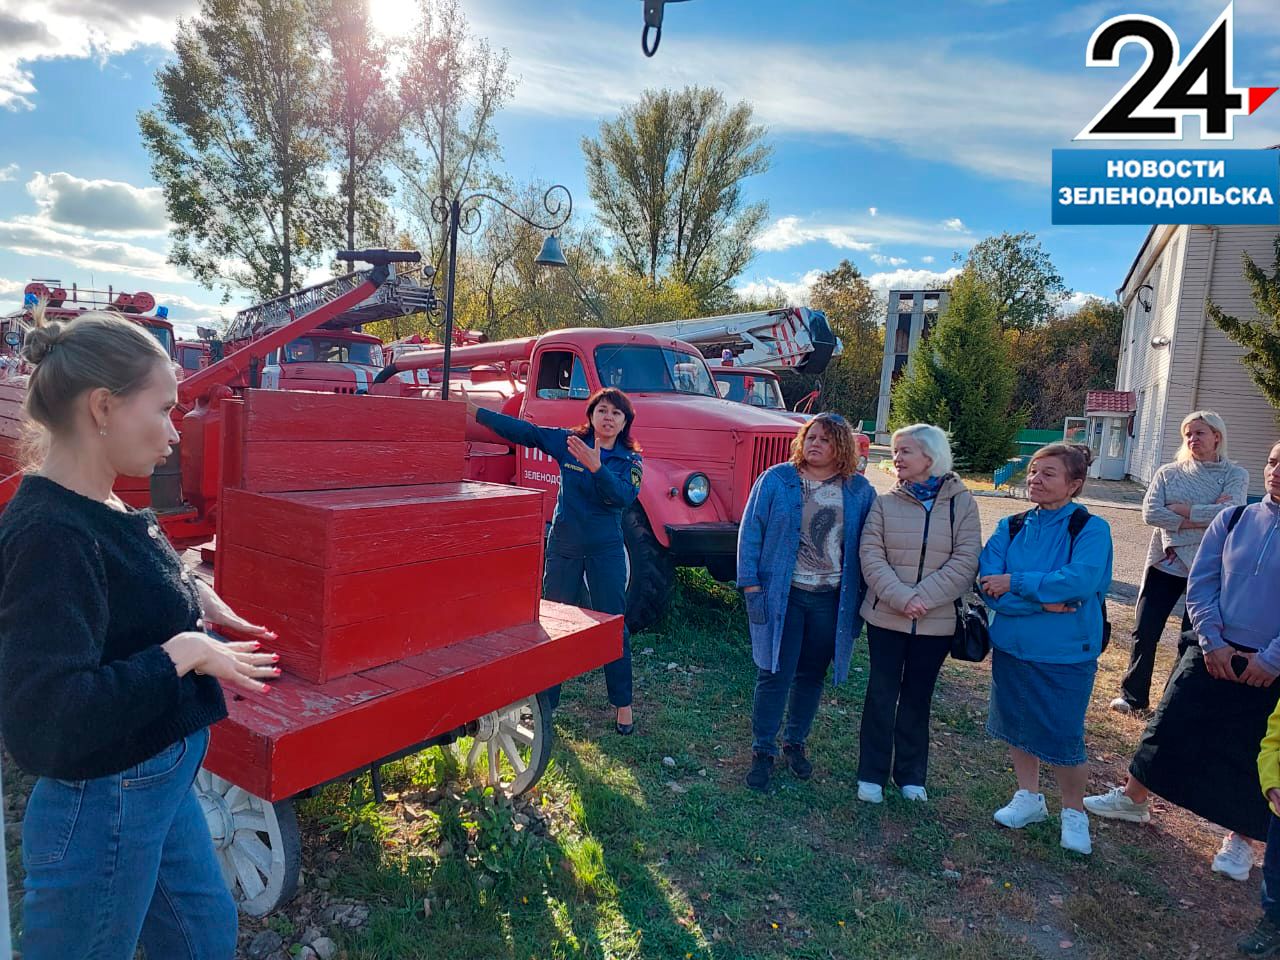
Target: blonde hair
841,436
1075,458
1214,422
94,350
934,442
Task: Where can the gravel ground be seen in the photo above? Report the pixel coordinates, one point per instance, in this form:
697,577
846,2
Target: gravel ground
1129,535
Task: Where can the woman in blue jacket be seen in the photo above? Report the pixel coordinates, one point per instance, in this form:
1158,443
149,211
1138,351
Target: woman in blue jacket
798,568
600,471
1046,575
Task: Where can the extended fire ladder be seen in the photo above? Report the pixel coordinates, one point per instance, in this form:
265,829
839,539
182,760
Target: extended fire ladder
398,295
790,338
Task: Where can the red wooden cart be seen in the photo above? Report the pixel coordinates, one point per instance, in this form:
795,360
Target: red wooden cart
407,606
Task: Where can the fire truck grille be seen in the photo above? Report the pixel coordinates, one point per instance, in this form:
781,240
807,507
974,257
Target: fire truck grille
767,451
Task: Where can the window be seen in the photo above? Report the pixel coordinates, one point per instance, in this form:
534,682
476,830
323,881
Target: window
906,302
899,366
333,350
189,357
164,335
753,390
654,370
561,376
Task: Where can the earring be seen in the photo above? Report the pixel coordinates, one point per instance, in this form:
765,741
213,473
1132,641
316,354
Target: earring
102,431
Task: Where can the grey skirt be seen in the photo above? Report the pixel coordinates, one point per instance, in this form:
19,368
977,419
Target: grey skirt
1040,707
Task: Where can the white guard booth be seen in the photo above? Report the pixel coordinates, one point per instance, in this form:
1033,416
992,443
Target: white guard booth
1108,418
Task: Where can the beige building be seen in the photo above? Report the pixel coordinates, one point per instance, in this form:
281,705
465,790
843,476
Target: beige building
1173,357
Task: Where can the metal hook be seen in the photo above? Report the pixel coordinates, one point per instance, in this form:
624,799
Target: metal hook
653,22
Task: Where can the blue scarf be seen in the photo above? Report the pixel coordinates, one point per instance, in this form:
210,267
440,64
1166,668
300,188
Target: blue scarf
927,490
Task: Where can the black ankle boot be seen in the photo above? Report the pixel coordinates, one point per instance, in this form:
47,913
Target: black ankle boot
761,771
797,761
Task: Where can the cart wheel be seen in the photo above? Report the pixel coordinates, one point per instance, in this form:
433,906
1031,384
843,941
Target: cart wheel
257,842
516,744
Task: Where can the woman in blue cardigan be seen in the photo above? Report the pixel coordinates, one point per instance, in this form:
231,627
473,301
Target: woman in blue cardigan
798,568
1045,577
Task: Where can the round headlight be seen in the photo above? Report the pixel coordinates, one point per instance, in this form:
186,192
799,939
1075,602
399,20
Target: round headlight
696,489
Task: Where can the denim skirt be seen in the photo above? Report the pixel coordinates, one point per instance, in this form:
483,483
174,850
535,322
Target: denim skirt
1040,707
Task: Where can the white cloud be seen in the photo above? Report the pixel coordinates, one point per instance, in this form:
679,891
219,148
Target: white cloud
792,291
926,259
798,291
910,279
9,173
34,238
101,205
75,29
880,260
871,210
10,286
1078,300
863,233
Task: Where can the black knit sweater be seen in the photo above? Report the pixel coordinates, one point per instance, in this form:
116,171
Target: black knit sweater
87,596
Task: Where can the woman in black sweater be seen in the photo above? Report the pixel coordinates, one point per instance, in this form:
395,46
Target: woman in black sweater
108,683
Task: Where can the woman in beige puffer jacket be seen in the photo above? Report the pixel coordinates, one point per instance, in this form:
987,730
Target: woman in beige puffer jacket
919,554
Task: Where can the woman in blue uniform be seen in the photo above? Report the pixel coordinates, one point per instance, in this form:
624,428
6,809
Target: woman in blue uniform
600,469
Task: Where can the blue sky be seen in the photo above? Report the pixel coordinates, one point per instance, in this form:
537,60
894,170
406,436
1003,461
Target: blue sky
902,133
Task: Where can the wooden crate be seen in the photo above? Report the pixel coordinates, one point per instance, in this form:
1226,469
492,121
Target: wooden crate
301,734
352,579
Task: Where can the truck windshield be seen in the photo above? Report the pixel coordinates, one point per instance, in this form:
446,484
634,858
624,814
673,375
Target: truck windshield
164,335
754,390
331,350
653,370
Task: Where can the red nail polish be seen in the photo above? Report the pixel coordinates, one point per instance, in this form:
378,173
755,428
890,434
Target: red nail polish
275,657
256,645
276,671
266,689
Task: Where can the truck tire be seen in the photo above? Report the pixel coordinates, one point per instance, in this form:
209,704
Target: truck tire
651,576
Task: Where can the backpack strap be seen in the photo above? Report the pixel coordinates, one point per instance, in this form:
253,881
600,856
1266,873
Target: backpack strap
1075,523
1016,523
1236,514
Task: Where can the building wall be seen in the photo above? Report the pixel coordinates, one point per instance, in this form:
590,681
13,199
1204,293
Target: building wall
1201,368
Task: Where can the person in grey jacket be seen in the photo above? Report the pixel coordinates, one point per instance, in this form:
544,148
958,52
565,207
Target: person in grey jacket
919,555
799,571
1181,502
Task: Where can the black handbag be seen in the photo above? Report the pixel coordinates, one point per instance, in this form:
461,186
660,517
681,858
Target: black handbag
972,640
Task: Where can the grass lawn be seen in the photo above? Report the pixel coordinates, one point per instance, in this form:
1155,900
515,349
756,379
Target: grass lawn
650,847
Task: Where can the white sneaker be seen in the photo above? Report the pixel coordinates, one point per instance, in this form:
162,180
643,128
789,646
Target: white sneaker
870,792
1075,831
1121,705
1025,807
915,793
1116,805
1235,859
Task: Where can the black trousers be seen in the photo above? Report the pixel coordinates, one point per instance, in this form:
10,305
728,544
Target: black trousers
895,715
1157,597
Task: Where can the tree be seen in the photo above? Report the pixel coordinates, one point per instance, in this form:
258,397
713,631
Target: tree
667,180
1059,362
1021,276
851,385
364,117
455,85
237,146
1261,337
962,379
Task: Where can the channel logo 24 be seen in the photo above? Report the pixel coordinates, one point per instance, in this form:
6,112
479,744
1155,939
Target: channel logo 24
1156,98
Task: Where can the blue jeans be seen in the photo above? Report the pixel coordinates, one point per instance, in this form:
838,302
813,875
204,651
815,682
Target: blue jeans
1271,871
605,592
807,649
126,858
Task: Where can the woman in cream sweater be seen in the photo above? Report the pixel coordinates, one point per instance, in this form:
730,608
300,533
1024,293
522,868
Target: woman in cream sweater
919,555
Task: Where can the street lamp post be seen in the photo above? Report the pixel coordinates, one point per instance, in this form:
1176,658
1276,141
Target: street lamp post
464,214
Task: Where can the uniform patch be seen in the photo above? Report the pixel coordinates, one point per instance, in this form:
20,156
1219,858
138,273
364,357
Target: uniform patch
636,474
574,466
